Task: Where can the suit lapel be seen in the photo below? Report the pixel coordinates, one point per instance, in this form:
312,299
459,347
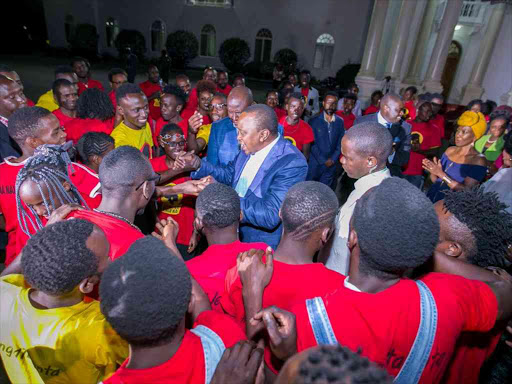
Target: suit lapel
267,164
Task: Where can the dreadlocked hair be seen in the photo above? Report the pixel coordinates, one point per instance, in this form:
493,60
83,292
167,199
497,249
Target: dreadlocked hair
93,103
47,167
490,225
339,365
93,143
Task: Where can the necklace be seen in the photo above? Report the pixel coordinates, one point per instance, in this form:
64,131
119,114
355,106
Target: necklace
493,141
118,217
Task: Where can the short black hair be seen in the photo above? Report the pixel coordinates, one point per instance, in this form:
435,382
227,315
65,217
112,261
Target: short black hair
127,89
122,169
238,76
433,96
271,91
177,92
488,107
170,128
116,71
205,85
332,93
182,76
79,58
304,72
93,103
297,96
61,69
56,259
60,83
5,68
376,93
265,117
93,143
490,225
413,89
144,313
307,207
218,205
500,114
371,139
350,96
25,122
151,65
474,102
507,138
387,251
339,365
221,95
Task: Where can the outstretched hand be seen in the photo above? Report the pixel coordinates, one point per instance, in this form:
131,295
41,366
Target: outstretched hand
187,161
167,231
239,364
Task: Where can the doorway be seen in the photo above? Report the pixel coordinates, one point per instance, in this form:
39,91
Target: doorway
450,67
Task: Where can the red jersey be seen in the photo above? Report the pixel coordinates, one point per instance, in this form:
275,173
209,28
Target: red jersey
280,113
298,134
90,84
187,365
412,110
112,96
384,325
371,109
78,127
30,103
210,268
191,102
150,88
187,114
305,92
348,120
63,119
438,123
181,210
183,124
424,131
226,90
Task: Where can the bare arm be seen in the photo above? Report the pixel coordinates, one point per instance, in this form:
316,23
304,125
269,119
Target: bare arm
306,150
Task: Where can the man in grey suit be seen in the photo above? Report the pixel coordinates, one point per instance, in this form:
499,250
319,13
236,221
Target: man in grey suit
389,116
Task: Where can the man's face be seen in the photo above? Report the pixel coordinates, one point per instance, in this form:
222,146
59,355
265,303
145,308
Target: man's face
497,128
118,80
204,99
218,108
31,196
169,106
173,143
71,77
50,131
352,162
425,112
11,98
184,84
222,80
330,104
392,111
354,90
153,74
248,134
272,99
81,69
348,105
408,95
437,104
239,81
295,108
304,80
476,108
210,75
67,97
292,78
135,110
236,106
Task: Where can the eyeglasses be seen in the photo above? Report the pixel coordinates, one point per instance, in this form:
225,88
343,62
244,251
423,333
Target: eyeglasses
218,106
174,144
155,178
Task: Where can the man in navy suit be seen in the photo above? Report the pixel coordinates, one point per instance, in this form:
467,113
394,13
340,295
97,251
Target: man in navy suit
389,116
328,130
262,172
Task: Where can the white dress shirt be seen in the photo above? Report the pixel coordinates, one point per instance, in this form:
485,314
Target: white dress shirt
339,258
252,167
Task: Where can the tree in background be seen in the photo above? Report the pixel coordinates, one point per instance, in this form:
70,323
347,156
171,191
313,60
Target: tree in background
287,58
234,53
182,47
84,40
133,39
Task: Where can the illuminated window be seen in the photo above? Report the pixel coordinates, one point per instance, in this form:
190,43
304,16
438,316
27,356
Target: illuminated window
263,47
208,40
323,51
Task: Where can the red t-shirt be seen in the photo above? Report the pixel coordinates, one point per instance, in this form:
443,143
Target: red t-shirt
62,117
224,91
183,124
186,366
191,104
30,103
181,210
305,92
210,268
298,134
424,130
280,113
90,84
348,120
383,326
87,182
187,114
154,105
411,108
112,95
78,127
438,123
371,109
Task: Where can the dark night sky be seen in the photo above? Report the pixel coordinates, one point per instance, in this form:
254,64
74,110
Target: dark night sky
19,14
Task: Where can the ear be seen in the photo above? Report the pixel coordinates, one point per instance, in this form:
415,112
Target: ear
198,224
280,215
95,159
55,99
242,215
179,108
352,240
67,186
326,233
32,142
87,285
450,248
120,110
371,161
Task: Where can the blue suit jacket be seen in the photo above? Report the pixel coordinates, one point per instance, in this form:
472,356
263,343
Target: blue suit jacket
324,148
283,167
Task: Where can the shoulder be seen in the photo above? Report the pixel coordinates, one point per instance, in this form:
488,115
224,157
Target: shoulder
478,160
370,117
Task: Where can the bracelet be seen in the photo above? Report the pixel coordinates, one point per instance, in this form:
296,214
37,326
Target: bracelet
447,180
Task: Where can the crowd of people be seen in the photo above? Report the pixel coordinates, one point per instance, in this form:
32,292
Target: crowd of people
164,233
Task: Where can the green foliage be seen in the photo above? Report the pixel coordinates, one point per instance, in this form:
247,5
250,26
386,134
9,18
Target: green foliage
347,74
286,57
182,47
131,38
234,53
84,40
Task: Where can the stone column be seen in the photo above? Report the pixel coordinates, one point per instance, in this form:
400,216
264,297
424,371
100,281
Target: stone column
474,89
432,81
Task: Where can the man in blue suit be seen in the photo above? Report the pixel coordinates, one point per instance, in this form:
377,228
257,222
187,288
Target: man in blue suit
326,150
262,172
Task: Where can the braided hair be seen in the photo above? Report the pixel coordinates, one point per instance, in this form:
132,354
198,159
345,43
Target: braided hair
93,143
47,167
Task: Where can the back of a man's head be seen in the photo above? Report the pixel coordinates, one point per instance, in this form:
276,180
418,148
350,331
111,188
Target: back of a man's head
371,139
264,116
143,313
241,95
25,122
397,228
218,206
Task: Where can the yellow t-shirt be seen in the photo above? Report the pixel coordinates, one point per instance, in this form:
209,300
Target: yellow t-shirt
204,133
59,345
47,101
141,139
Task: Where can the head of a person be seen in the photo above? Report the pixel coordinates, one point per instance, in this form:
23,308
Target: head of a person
391,107
410,92
219,107
93,103
349,103
183,82
424,112
239,99
330,103
12,97
488,107
126,175
256,128
331,364
293,79
172,139
475,227
66,256
217,208
205,91
285,95
507,151
498,123
210,74
172,101
295,106
117,77
272,98
81,67
132,105
304,78
475,105
286,85
8,72
381,250
471,127
65,94
365,149
308,213
43,185
376,97
143,313
222,79
31,127
66,72
153,74
93,147
238,80
353,88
